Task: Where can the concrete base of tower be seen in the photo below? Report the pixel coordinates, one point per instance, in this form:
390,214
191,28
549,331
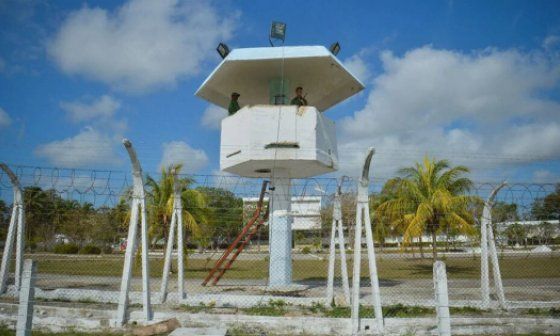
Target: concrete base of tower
280,230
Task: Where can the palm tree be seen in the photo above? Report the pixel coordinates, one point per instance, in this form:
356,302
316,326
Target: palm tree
160,198
430,197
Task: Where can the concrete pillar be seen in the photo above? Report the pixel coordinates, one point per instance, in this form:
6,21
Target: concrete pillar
343,267
363,219
176,220
337,228
355,309
168,258
442,299
17,229
332,257
372,264
484,280
20,245
280,230
498,286
138,211
8,248
487,242
24,322
180,252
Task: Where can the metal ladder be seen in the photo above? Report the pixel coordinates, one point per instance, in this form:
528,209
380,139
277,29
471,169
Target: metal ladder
249,230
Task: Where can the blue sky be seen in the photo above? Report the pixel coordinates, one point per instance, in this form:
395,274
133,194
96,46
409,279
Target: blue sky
476,82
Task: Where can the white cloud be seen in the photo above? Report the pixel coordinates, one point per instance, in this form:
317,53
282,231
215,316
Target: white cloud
179,152
550,42
487,110
103,107
89,148
5,119
358,67
141,45
212,117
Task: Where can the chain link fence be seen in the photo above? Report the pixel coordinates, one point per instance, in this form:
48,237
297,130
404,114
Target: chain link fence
77,222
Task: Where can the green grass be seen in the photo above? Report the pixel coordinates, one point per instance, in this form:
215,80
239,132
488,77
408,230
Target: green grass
457,268
388,311
466,311
4,331
554,312
273,308
400,310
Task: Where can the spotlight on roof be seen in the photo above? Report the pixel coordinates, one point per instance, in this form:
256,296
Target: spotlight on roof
223,50
335,48
277,32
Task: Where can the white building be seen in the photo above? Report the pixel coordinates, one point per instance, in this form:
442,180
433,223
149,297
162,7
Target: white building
305,211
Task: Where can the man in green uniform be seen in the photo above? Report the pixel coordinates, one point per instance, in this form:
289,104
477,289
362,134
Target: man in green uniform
299,99
234,104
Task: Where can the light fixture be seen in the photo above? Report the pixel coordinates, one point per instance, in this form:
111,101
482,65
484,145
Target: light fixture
277,32
335,48
223,50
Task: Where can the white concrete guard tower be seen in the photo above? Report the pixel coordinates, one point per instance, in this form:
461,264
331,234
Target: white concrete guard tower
268,138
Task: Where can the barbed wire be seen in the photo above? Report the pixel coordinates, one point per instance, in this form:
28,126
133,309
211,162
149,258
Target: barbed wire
102,187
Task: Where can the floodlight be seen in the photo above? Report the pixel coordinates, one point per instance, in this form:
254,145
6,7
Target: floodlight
277,32
223,50
335,48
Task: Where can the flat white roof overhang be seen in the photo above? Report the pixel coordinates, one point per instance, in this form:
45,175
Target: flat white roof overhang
248,71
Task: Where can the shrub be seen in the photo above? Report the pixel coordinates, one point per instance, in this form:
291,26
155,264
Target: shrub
90,249
107,249
66,248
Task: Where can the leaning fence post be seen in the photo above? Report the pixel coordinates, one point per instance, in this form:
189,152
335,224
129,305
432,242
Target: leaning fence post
363,218
442,299
17,223
26,299
337,228
332,259
487,242
138,209
176,220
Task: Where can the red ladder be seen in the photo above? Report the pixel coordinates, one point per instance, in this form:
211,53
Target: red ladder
249,230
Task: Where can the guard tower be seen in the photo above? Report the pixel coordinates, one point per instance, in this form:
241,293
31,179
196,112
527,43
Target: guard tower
268,138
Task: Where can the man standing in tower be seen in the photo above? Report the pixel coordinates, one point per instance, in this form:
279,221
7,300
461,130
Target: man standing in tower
299,99
234,104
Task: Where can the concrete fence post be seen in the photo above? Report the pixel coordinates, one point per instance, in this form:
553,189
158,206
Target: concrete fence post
138,209
337,229
176,220
24,322
484,276
332,258
363,219
442,299
488,250
16,231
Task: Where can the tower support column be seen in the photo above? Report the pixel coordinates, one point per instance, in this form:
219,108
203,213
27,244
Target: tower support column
280,230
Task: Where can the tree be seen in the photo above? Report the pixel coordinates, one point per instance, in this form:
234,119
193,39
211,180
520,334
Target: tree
504,212
160,198
4,220
547,208
225,214
515,233
546,232
43,214
430,197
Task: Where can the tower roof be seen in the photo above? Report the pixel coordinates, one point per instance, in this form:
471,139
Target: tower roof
248,71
